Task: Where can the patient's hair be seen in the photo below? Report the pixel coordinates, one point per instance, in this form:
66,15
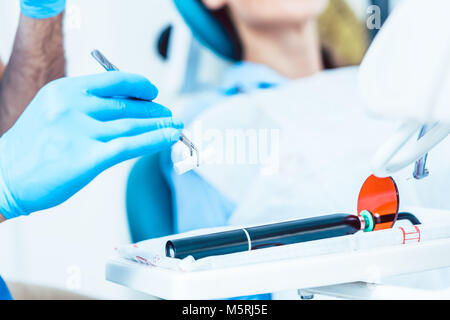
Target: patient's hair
343,36
223,16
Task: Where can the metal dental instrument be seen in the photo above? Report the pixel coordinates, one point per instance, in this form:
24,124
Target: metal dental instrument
191,146
105,63
420,170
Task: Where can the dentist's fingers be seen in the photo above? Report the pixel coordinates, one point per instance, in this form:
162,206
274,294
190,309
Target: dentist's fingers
110,130
107,109
126,148
119,84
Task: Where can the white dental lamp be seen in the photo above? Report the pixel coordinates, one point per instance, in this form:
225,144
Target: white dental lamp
406,76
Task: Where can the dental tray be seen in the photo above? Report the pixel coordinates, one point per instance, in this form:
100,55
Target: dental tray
290,274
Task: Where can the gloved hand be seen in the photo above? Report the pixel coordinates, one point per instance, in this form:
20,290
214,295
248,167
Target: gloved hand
74,129
42,9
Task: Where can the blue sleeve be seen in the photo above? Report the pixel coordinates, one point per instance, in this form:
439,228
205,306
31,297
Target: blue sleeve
4,292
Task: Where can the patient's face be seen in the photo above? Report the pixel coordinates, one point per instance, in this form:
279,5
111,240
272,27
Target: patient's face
267,12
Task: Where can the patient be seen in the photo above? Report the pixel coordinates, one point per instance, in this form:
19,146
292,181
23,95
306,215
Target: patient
271,43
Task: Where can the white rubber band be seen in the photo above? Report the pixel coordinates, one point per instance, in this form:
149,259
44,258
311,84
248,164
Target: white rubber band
248,239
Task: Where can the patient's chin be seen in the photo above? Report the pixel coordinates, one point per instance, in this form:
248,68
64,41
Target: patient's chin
278,12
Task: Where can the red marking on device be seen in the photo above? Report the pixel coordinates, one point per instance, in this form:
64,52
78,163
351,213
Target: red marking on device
411,236
142,260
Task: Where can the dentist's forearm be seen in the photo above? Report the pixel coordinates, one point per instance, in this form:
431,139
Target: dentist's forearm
2,218
2,69
37,58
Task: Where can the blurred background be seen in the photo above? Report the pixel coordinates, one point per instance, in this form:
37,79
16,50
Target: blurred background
67,247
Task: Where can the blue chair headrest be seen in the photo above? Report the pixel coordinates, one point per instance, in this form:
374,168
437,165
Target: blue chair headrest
207,29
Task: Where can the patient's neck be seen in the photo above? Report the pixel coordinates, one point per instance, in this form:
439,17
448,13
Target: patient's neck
292,51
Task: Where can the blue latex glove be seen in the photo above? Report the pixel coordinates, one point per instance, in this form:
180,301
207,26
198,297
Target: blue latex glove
42,9
74,129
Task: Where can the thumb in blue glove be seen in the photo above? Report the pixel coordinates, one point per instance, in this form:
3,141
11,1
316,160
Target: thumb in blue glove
42,9
74,129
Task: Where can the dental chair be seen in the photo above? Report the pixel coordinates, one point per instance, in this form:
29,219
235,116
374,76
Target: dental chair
148,197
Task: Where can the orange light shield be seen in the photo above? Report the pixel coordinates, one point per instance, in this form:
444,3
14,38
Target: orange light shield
380,197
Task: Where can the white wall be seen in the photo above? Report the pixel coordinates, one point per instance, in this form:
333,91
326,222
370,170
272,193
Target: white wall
67,246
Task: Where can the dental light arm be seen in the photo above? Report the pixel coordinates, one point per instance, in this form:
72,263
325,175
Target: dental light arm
406,76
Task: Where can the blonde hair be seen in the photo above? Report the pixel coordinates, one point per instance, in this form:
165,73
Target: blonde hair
343,34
